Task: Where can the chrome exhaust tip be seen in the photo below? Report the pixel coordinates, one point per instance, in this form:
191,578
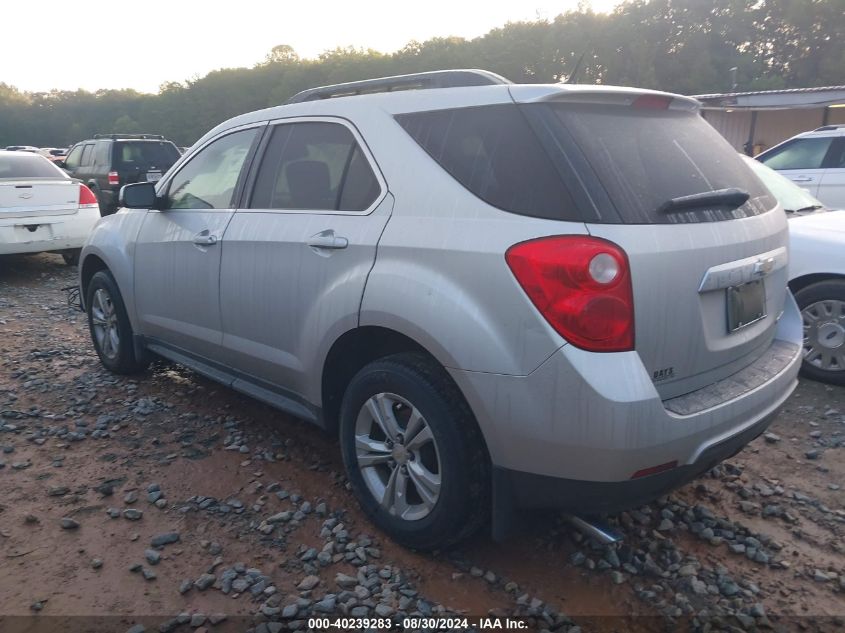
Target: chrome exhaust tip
595,529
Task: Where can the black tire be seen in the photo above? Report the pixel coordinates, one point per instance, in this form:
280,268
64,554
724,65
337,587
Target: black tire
121,358
72,257
829,290
464,494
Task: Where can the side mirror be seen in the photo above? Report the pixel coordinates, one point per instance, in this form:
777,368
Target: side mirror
141,195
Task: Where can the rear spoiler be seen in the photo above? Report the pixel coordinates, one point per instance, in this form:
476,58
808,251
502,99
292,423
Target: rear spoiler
601,95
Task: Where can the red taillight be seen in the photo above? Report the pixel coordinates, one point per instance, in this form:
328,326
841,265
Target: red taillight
652,102
86,197
582,287
114,178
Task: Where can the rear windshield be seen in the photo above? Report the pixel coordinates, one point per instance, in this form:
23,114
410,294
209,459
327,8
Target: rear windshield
145,154
24,166
590,163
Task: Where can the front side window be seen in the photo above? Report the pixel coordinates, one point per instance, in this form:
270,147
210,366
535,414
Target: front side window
208,181
315,166
802,153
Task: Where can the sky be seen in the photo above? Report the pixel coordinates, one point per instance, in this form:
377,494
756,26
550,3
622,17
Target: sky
140,44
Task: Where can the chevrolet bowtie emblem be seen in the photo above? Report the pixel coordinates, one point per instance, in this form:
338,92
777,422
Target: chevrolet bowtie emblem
26,195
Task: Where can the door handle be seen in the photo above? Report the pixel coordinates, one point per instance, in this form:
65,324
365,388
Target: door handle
205,239
328,240
802,179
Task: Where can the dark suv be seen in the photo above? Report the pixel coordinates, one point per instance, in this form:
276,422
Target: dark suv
108,161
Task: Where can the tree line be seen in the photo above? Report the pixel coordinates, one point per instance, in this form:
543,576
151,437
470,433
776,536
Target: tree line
684,46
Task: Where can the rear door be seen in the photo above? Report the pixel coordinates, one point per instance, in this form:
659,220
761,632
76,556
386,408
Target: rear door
178,249
802,160
832,185
298,252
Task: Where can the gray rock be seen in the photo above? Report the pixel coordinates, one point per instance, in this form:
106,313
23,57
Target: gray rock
136,628
813,454
345,581
152,556
308,583
69,524
326,605
96,563
290,611
148,574
130,497
197,620
617,577
185,586
384,610
205,581
167,538
132,514
772,438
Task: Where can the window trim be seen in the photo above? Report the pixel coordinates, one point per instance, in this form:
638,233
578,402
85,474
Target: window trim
249,186
163,186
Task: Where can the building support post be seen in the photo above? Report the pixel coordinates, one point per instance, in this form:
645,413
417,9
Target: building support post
749,144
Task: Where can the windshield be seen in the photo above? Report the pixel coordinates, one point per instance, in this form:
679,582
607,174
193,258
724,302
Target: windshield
791,197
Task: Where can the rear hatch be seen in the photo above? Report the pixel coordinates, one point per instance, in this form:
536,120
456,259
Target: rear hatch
706,249
143,160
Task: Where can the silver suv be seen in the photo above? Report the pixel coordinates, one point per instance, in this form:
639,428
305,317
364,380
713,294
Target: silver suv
498,296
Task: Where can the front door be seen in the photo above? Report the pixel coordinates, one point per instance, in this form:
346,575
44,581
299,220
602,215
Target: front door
177,254
298,253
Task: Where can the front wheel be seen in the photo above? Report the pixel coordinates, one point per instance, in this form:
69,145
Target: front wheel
109,325
822,307
413,452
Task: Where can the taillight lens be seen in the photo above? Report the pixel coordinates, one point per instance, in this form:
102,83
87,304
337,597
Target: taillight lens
114,178
87,197
582,287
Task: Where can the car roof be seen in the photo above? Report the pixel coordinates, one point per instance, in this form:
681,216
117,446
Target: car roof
406,101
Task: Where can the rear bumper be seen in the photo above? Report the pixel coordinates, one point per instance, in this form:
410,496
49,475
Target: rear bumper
51,233
516,489
581,425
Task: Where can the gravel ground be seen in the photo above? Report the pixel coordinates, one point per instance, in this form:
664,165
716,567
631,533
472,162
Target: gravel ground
165,502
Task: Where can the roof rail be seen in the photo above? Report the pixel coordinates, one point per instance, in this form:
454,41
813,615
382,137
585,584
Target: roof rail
157,137
416,81
828,128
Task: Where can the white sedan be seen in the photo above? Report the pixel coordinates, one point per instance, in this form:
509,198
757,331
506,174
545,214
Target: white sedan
816,273
42,208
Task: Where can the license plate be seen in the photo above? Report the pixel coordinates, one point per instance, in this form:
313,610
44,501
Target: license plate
746,304
153,176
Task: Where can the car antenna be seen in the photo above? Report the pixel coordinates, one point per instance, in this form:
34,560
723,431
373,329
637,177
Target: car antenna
574,73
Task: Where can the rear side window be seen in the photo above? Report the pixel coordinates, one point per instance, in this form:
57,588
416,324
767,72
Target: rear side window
802,153
72,160
145,154
492,151
315,166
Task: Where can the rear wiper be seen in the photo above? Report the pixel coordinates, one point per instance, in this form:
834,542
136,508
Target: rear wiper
731,198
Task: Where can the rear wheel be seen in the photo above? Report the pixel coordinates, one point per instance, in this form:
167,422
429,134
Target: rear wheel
109,325
822,307
413,452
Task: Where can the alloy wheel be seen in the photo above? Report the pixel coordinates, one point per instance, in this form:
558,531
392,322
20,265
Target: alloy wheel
398,456
824,334
104,324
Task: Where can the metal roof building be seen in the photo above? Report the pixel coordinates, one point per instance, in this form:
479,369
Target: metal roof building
764,118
